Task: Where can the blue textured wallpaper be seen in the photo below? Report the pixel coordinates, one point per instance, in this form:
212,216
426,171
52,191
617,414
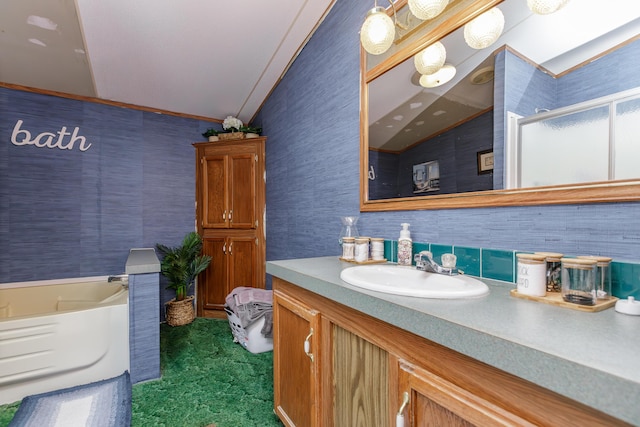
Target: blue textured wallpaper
72,213
312,120
456,151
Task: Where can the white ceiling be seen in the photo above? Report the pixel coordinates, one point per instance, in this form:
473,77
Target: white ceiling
198,57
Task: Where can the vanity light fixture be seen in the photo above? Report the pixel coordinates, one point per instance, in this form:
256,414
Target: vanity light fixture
440,77
485,29
427,9
378,31
545,7
431,59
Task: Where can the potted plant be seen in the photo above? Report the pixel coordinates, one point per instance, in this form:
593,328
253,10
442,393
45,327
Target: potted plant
231,129
181,265
251,131
211,134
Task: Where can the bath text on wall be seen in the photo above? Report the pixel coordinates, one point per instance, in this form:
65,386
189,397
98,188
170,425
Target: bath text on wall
21,136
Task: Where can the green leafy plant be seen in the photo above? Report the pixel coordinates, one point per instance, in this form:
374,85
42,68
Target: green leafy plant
210,132
251,129
182,264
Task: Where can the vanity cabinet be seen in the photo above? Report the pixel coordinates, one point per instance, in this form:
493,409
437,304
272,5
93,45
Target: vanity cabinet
230,206
433,401
297,388
362,368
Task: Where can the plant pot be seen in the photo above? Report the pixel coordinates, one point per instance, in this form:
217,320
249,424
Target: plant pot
231,135
180,313
252,135
213,138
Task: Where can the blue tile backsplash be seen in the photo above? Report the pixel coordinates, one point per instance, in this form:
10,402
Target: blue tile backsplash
500,265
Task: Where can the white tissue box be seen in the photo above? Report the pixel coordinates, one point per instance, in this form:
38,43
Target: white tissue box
250,338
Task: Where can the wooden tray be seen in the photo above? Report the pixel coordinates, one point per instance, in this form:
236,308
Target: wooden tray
555,298
369,261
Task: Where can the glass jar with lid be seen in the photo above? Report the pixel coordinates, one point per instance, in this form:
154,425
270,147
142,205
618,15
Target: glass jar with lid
362,249
554,268
603,275
348,248
579,281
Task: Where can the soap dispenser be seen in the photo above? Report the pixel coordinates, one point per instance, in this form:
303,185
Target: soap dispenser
404,245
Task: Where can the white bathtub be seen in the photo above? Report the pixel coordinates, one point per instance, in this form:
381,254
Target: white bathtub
55,335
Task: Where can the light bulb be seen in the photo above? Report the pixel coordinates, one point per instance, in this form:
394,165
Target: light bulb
545,7
431,59
377,32
484,30
427,9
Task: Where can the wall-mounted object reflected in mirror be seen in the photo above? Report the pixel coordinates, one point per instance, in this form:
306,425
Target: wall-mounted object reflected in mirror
577,55
485,161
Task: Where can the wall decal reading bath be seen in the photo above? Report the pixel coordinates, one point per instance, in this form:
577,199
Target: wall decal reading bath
49,139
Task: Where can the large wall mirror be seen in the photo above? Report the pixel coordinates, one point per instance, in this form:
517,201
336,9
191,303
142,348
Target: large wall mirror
547,114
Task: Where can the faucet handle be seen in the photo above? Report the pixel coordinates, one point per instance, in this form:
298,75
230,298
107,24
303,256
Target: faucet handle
449,260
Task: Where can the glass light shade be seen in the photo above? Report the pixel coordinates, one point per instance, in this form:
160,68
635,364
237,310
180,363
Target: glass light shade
545,7
377,32
442,76
431,59
484,30
427,9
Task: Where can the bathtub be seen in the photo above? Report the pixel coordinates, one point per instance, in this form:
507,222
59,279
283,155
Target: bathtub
58,334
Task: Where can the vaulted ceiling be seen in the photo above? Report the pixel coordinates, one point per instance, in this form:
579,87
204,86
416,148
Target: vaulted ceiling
203,58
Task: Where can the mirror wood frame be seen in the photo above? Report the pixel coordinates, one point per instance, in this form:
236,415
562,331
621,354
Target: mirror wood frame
596,192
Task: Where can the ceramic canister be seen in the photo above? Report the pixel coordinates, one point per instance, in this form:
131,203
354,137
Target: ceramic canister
532,275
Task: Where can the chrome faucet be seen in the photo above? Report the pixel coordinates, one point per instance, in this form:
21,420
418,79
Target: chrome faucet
424,262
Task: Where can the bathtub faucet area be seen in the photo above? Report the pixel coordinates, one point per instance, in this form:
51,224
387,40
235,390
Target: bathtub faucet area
424,262
118,278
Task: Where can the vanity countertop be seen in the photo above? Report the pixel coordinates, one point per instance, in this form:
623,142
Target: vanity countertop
593,358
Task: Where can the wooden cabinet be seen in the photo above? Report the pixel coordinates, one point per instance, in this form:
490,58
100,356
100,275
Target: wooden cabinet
297,390
363,368
433,401
229,187
230,204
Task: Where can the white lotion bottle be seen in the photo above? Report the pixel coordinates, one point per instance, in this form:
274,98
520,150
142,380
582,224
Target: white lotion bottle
404,245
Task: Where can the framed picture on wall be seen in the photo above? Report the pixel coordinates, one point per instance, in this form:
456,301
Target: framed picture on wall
485,162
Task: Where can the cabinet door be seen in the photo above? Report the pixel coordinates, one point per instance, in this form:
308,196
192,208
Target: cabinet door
242,190
435,402
243,261
214,192
212,283
360,381
296,361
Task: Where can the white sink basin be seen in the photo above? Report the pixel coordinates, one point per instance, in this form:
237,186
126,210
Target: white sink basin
409,281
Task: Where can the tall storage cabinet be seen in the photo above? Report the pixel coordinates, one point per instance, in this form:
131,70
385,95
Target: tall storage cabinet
230,209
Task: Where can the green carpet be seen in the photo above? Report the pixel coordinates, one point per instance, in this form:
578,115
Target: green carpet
206,379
